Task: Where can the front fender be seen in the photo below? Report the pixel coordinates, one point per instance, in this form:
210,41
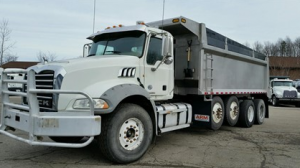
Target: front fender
94,90
116,94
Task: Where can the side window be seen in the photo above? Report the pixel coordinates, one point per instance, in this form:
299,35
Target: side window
154,51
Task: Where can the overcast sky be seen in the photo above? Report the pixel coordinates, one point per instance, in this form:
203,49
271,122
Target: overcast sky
61,26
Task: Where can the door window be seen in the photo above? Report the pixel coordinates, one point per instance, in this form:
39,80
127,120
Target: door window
154,51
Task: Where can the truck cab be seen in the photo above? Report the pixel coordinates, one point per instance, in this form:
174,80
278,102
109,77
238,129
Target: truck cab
282,90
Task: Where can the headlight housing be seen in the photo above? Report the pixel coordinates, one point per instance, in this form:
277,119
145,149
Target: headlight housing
85,104
278,94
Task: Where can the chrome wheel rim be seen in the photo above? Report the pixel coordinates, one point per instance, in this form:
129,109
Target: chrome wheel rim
217,112
250,113
131,134
274,100
234,110
261,113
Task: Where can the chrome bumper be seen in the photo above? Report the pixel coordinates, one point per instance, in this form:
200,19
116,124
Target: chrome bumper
37,124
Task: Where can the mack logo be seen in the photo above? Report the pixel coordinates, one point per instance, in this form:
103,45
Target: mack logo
45,103
199,117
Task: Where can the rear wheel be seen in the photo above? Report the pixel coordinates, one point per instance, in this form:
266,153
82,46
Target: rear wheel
126,134
232,110
246,118
217,113
260,111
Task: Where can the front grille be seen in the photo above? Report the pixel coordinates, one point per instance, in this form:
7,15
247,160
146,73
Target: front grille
289,94
44,80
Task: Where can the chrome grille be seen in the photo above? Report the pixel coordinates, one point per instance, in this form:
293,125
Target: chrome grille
289,94
44,80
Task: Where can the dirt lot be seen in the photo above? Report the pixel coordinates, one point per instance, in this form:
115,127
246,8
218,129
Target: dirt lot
276,143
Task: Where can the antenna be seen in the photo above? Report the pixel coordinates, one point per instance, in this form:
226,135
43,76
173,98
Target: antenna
94,16
163,15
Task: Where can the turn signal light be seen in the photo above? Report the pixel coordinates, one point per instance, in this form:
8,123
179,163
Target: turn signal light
175,20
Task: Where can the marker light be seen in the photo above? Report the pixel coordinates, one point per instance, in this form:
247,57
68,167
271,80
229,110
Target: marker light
140,23
183,20
175,20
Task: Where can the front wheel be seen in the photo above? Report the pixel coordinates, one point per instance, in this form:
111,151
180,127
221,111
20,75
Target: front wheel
126,134
274,101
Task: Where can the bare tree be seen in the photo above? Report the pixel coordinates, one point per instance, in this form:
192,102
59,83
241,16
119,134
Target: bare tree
257,46
297,47
247,44
9,58
290,49
49,57
5,46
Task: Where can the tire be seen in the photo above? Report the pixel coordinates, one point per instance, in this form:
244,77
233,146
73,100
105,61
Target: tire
217,113
231,110
126,134
66,139
274,101
260,111
247,109
297,104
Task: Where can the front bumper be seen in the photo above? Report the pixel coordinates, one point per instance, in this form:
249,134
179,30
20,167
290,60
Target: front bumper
27,118
288,100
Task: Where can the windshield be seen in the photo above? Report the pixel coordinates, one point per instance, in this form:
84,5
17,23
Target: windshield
282,83
120,43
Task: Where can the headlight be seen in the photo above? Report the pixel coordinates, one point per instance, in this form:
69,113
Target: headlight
85,104
278,94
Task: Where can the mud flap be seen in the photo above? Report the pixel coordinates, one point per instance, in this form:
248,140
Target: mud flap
201,116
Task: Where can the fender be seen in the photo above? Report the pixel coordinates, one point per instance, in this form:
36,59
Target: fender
116,94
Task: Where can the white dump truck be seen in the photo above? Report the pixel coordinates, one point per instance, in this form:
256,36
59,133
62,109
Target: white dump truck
137,83
281,90
15,76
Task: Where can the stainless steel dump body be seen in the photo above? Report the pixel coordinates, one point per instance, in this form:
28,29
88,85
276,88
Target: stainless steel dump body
216,64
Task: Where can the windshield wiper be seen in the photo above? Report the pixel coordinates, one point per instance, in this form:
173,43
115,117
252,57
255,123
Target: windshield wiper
114,52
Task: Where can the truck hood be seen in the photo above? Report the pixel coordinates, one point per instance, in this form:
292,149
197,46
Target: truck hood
82,72
90,62
91,75
283,88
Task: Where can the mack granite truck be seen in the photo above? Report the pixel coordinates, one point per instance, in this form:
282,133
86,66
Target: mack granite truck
281,90
138,82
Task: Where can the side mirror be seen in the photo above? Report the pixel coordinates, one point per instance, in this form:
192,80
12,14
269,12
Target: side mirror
86,49
168,60
167,45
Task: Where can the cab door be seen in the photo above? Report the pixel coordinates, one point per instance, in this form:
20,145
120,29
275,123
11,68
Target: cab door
159,82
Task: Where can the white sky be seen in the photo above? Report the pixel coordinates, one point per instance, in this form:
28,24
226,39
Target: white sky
61,26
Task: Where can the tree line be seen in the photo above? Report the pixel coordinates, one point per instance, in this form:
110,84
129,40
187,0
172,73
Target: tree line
282,47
